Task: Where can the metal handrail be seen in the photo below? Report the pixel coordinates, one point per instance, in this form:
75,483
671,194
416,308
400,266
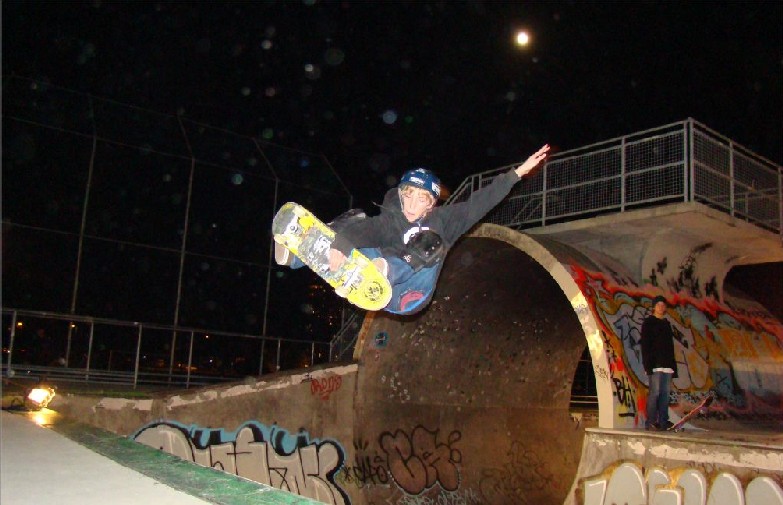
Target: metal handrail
714,170
138,375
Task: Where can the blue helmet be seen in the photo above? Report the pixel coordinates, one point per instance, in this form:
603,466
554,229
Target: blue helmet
422,178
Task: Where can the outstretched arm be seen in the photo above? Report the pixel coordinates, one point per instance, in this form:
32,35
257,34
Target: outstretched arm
532,162
460,217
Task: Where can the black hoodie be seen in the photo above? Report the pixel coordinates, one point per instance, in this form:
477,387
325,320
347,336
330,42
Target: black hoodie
390,230
657,345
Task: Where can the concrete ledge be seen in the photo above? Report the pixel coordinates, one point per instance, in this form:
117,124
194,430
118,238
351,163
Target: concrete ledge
635,464
208,484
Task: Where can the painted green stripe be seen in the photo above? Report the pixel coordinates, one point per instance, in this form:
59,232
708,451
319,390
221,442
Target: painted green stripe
206,483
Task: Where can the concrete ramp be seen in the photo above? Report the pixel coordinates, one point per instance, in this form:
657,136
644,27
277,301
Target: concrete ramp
469,401
477,388
472,396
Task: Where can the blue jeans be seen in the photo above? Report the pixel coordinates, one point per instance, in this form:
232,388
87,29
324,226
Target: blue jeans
410,290
658,399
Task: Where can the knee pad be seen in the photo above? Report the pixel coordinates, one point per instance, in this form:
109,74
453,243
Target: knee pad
424,249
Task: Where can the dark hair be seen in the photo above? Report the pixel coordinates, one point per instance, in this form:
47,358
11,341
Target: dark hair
657,299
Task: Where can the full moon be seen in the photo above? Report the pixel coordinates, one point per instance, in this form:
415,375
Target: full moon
522,38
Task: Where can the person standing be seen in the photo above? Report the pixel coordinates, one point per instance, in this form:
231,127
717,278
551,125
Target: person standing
658,359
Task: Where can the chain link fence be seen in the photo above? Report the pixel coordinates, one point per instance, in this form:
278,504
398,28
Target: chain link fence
121,218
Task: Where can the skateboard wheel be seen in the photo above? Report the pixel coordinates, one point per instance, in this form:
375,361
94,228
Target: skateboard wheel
373,291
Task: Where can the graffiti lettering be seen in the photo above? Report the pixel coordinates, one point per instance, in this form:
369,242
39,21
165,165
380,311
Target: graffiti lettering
367,469
326,386
418,461
627,484
625,395
256,452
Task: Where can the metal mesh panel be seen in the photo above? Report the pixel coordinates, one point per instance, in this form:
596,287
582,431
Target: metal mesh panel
655,152
522,205
735,180
583,183
755,175
663,183
586,197
588,167
756,191
712,187
708,153
517,211
654,168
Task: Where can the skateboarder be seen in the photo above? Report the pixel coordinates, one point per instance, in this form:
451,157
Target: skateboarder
658,358
410,237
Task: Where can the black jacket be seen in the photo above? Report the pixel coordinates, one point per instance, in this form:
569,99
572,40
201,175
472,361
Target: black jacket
657,345
390,231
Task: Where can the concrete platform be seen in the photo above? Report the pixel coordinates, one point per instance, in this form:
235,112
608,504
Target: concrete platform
46,459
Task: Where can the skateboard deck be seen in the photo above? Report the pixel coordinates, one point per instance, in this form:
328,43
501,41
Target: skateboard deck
703,404
358,280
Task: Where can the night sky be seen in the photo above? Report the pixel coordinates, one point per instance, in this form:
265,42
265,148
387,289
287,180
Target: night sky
377,86
382,86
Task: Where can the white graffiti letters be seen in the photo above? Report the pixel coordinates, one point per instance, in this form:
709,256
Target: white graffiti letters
303,467
627,484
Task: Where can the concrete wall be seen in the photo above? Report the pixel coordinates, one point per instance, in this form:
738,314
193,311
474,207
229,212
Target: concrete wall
706,468
284,430
468,402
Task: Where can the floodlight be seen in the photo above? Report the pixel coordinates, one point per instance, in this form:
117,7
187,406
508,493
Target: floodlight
40,396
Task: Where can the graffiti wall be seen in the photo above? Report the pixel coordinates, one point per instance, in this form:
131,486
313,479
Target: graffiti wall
469,402
266,454
732,348
415,460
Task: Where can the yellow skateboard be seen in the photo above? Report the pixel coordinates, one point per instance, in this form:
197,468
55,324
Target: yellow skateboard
358,280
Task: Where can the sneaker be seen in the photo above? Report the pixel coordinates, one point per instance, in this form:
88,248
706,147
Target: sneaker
382,265
667,425
652,427
282,255
346,218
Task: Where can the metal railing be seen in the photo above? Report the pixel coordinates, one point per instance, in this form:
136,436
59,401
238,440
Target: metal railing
104,351
171,208
344,341
678,162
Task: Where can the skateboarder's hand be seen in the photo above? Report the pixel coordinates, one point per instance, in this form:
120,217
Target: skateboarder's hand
336,259
532,162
